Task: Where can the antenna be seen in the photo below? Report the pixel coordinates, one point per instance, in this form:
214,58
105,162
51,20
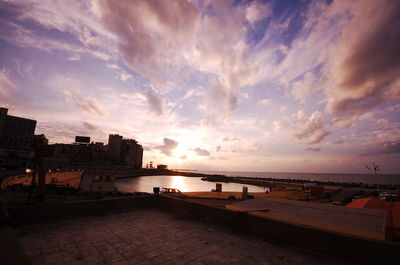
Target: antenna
375,168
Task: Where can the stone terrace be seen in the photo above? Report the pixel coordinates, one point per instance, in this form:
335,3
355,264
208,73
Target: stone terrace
150,236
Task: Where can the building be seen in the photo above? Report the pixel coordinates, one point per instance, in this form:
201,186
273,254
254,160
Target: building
16,138
162,166
139,157
126,152
74,155
114,147
131,153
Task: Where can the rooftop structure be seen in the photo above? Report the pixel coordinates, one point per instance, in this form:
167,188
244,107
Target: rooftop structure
16,136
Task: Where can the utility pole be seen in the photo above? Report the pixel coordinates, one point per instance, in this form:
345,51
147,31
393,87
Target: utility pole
375,169
38,145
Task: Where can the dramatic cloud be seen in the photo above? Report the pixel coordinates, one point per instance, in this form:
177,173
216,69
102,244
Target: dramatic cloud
168,146
201,152
158,39
368,68
213,73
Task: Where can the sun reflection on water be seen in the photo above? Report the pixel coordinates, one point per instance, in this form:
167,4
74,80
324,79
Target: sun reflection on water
178,182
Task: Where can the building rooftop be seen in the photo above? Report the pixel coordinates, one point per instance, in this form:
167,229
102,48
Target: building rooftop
150,236
368,223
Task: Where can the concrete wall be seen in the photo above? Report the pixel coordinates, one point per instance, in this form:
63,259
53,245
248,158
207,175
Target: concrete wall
351,248
29,213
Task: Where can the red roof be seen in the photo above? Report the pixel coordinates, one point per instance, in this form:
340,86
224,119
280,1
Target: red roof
370,203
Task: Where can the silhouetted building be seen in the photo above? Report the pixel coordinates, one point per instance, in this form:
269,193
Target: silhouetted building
16,137
82,139
74,155
139,157
131,153
124,151
114,147
161,166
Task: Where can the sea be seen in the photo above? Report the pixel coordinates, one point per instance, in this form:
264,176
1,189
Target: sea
191,184
370,179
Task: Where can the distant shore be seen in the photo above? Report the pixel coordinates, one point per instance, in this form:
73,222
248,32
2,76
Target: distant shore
256,181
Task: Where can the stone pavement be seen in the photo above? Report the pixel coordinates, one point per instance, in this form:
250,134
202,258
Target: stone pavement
150,236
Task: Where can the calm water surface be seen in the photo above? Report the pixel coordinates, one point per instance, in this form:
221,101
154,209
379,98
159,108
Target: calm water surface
184,184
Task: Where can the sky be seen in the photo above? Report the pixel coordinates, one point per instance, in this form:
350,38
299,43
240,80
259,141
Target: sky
277,86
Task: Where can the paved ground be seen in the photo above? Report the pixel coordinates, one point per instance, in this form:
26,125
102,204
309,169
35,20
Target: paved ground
150,236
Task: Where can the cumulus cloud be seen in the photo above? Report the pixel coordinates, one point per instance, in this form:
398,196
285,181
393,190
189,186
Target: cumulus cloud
310,129
201,152
154,101
168,146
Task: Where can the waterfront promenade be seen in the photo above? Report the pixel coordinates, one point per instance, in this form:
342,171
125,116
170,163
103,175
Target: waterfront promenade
151,236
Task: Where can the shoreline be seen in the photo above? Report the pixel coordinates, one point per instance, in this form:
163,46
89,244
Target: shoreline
256,181
271,182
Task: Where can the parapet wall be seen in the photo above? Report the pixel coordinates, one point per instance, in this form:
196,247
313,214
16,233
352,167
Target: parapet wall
356,249
29,213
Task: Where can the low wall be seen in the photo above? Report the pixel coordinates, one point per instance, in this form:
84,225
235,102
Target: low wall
356,249
11,252
28,213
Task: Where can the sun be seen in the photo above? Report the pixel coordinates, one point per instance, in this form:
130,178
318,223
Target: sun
181,151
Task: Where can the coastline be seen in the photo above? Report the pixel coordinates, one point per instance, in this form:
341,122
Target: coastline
256,181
